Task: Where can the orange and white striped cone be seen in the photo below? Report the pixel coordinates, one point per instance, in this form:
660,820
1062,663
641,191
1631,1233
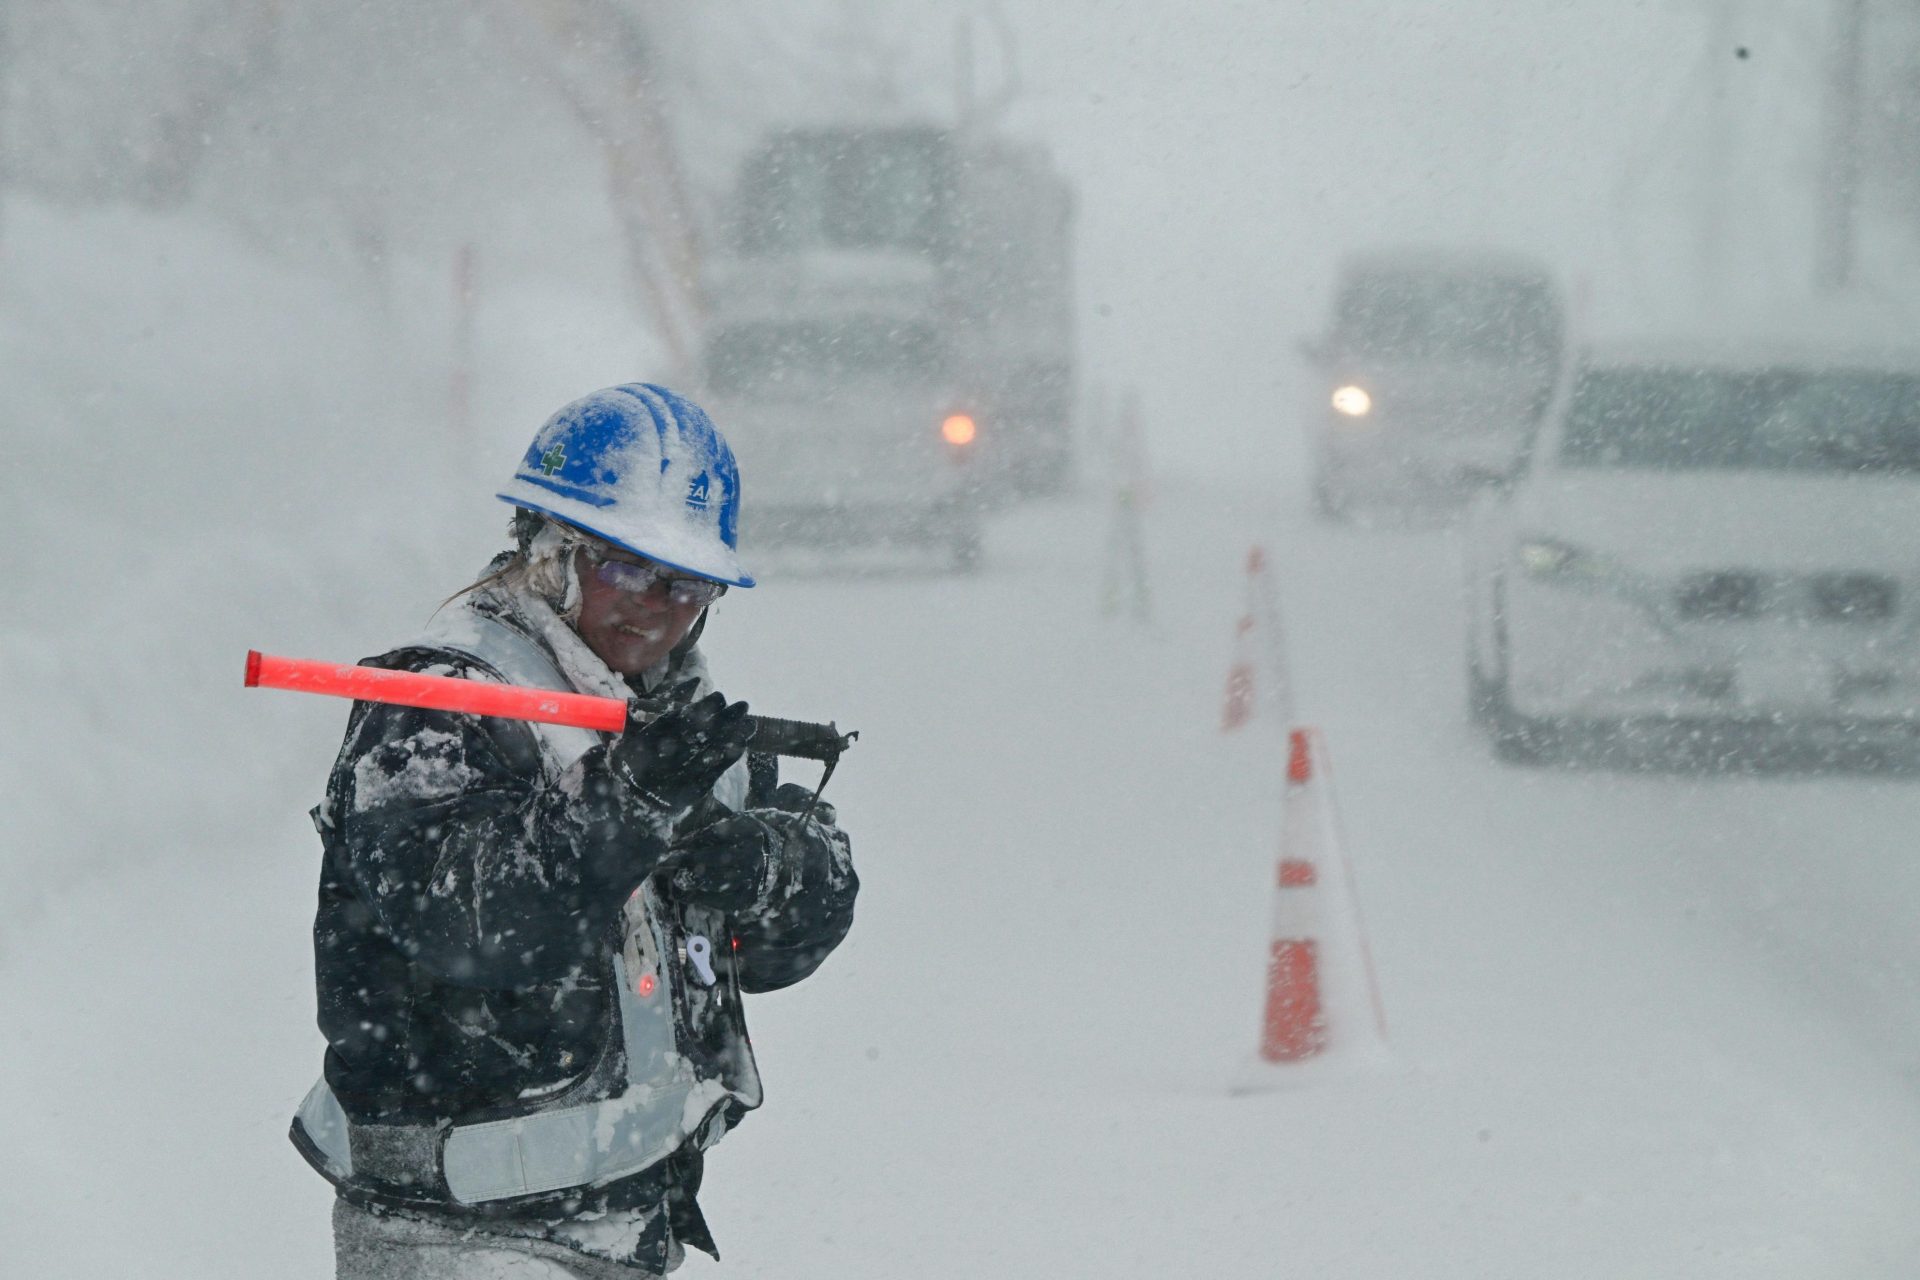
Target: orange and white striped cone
1295,1025
1321,999
1263,606
1251,652
1237,707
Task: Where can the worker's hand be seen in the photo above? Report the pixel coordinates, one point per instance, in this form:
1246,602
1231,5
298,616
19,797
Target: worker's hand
728,865
791,797
745,862
675,759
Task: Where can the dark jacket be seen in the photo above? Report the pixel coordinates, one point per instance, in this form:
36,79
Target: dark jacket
469,909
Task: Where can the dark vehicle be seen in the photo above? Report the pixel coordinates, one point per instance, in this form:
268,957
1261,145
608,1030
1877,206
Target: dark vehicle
1433,373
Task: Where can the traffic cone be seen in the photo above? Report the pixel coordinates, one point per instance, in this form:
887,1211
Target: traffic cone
1295,1025
1262,617
1321,998
1238,706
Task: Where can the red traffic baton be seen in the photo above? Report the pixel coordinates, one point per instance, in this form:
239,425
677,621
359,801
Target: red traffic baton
802,739
435,693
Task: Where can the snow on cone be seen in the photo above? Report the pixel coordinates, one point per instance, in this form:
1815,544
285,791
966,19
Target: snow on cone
1295,1025
1237,707
1257,641
1322,1003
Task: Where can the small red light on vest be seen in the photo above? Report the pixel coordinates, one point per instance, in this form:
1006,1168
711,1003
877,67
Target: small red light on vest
645,986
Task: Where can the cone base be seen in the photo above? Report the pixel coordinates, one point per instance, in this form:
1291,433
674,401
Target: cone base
1256,1075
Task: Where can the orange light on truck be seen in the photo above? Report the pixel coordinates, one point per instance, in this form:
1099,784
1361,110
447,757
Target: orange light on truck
958,429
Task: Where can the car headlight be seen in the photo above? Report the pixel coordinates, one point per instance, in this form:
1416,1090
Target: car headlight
1552,558
1566,566
1351,401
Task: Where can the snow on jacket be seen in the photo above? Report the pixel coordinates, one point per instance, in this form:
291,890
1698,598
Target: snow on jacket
471,905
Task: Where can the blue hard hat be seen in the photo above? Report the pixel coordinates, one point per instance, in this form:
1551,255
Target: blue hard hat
646,470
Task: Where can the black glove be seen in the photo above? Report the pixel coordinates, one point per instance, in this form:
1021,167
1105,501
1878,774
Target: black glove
738,863
791,797
674,760
728,865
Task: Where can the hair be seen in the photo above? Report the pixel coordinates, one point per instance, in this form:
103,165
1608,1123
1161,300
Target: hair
541,561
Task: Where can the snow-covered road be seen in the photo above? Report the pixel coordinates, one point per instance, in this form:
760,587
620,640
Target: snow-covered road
1643,1026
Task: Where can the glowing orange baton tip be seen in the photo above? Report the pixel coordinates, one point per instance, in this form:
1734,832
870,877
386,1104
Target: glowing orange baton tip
435,693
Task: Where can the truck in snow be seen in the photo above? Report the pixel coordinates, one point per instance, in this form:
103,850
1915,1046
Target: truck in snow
889,334
1431,376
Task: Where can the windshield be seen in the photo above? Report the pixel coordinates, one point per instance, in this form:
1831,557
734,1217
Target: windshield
1424,316
844,189
766,358
1679,419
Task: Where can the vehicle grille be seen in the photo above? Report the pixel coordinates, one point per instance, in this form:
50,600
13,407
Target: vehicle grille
1719,597
1731,595
1853,597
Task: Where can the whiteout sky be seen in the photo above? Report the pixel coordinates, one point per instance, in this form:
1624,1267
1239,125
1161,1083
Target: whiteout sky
1224,156
1227,153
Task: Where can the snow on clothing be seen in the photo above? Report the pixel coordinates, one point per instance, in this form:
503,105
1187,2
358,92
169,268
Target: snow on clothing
473,904
370,1245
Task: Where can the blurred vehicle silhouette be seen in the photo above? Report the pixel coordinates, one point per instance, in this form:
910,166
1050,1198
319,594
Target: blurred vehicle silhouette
1718,554
890,333
1435,367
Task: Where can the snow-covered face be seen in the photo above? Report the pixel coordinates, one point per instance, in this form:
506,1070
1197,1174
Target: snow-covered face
629,631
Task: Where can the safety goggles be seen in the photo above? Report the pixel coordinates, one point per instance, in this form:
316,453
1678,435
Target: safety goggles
640,577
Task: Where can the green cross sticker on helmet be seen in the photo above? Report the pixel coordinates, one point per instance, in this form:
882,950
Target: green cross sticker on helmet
644,469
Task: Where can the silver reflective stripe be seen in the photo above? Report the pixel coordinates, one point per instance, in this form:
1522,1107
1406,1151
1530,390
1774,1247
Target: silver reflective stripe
564,1147
521,661
326,1125
596,1141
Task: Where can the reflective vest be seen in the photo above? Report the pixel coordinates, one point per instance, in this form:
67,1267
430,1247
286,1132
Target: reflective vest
677,1022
